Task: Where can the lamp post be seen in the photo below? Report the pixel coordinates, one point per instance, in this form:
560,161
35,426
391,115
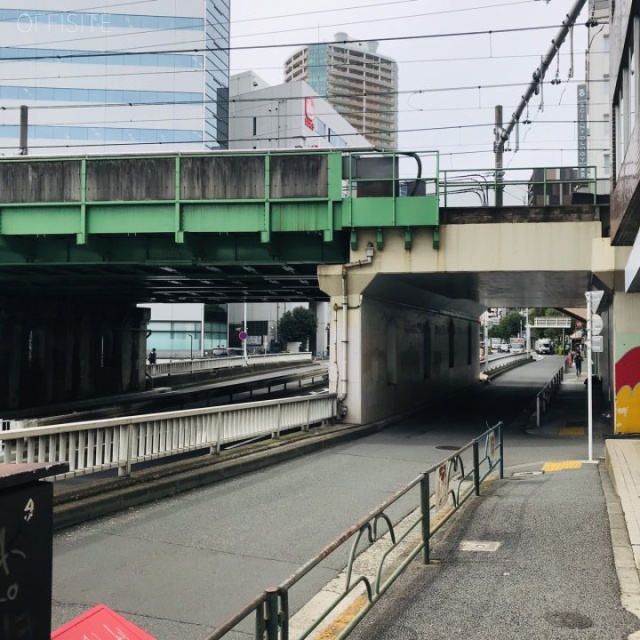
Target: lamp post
191,349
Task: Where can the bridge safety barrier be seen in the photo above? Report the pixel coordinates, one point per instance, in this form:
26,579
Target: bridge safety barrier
208,364
545,395
420,509
119,443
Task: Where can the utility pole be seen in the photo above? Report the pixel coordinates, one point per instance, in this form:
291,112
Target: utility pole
498,149
502,135
24,129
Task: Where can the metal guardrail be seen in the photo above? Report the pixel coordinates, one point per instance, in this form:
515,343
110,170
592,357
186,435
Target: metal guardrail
496,365
208,364
118,443
545,395
453,480
536,186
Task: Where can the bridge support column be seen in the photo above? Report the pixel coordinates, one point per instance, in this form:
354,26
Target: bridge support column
399,348
55,351
626,361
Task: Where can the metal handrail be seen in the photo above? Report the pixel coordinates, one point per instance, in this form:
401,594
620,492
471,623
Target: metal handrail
453,487
118,443
544,396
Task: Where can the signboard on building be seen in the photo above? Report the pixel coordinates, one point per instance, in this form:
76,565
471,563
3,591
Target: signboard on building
582,132
310,113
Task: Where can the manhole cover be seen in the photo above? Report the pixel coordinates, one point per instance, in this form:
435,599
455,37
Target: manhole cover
447,447
479,545
569,620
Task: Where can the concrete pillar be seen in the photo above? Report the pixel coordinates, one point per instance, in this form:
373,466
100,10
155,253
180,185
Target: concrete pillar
626,358
55,351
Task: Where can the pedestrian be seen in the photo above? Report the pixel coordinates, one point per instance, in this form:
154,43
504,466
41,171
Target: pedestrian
578,360
153,356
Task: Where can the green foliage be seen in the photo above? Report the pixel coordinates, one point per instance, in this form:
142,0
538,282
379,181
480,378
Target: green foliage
297,325
508,327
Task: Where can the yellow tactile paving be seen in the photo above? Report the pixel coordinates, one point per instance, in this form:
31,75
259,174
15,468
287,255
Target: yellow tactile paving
560,466
572,431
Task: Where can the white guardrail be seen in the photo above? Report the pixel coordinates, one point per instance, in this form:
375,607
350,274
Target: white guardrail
99,445
207,364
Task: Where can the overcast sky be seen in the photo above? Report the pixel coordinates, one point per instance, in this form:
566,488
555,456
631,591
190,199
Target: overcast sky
435,65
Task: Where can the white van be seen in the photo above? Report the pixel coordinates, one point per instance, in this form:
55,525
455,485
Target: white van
544,346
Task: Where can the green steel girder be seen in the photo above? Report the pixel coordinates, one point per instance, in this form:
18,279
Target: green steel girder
278,200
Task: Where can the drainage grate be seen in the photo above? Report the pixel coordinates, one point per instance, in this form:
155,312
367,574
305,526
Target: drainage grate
519,474
447,447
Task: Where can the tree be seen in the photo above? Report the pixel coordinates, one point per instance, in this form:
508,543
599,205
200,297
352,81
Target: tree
297,325
508,327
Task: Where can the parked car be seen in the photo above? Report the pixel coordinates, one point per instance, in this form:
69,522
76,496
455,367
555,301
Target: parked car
504,348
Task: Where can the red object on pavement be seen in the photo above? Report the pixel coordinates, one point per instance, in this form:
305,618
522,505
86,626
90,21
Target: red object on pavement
100,623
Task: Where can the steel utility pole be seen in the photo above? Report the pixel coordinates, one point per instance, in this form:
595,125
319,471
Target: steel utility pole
498,149
538,77
24,129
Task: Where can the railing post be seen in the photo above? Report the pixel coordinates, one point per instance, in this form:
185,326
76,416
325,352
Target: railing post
538,410
426,517
476,467
501,442
272,613
284,615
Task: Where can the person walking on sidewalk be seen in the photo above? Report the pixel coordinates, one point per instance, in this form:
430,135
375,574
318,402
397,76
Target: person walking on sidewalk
578,361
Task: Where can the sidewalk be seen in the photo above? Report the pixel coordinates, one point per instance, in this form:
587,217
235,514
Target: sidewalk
565,554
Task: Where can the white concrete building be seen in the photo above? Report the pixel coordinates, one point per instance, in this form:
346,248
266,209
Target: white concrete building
598,105
359,82
114,76
285,116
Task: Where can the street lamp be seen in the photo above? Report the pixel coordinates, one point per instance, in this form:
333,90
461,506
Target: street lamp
191,349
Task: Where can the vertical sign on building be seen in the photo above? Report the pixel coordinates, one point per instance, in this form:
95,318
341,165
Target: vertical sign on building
582,132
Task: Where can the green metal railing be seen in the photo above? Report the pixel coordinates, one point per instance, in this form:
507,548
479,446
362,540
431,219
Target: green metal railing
530,186
423,513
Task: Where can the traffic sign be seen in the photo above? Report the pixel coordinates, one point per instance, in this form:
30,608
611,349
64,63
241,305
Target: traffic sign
596,324
597,344
594,297
243,335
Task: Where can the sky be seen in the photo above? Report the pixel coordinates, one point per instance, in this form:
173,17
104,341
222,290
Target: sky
451,55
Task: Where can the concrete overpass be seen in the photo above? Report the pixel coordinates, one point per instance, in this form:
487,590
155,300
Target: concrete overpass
84,239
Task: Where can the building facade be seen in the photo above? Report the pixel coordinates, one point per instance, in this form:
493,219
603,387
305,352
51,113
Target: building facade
285,116
596,100
114,77
361,84
624,312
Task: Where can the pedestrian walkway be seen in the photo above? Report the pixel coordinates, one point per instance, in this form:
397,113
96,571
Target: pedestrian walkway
544,554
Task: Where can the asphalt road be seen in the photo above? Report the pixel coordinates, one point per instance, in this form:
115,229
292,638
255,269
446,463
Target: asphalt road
181,566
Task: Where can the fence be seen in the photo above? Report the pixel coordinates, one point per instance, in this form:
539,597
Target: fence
208,364
421,514
118,443
544,396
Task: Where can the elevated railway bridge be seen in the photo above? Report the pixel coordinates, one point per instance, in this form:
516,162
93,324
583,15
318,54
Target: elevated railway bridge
84,240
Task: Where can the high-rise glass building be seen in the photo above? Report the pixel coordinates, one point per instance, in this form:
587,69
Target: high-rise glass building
114,76
360,84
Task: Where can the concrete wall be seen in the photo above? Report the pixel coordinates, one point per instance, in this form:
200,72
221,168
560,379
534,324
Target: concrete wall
626,354
393,369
